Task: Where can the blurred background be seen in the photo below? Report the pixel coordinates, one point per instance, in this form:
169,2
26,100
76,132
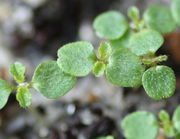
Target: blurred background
31,31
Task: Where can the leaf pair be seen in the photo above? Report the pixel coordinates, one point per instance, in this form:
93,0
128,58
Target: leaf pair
55,78
23,96
144,125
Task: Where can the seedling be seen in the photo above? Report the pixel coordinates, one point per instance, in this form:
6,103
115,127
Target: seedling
144,125
127,58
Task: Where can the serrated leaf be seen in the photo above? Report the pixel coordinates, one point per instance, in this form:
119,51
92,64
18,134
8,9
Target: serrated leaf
51,81
176,119
99,68
104,50
76,58
17,70
160,18
5,90
110,25
159,82
176,10
140,125
124,69
146,42
23,96
122,42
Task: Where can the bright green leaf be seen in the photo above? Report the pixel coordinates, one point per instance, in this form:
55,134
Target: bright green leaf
99,68
146,42
176,10
51,81
17,70
160,19
154,60
140,125
76,58
166,124
124,69
159,82
23,96
176,119
164,116
5,90
133,13
104,50
107,137
122,42
110,25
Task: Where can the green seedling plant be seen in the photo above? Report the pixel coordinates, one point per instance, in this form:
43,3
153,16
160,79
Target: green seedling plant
127,58
144,125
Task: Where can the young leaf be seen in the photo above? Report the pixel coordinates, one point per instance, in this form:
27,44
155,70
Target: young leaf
133,13
160,19
124,69
104,50
23,96
122,42
76,58
164,116
107,137
17,70
176,10
159,82
166,124
110,25
140,125
51,81
99,68
176,119
5,90
145,42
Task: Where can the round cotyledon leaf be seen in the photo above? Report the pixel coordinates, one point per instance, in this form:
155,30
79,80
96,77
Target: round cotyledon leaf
51,81
175,8
124,68
160,18
159,82
122,42
146,42
5,90
140,125
110,25
76,58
